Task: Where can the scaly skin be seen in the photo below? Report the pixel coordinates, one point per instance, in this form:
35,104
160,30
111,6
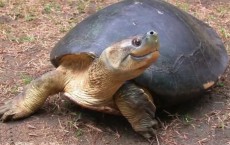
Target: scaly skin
33,96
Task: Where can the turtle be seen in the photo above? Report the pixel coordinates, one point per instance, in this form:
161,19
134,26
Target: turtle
129,59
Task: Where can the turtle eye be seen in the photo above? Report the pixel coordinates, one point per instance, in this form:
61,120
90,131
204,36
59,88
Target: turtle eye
136,42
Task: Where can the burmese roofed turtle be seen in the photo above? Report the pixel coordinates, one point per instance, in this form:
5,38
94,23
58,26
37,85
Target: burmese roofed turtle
104,64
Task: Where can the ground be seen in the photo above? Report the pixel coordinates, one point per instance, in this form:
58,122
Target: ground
30,28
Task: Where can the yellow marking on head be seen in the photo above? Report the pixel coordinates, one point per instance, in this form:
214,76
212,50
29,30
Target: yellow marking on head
208,84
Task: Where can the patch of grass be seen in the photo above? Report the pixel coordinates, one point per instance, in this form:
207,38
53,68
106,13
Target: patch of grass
29,17
211,18
223,120
22,10
77,116
187,119
225,33
26,78
27,38
81,5
14,38
220,84
75,124
5,31
14,90
183,6
48,8
222,10
78,133
2,4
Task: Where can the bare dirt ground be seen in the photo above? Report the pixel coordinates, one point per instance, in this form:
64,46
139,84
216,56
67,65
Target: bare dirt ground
28,31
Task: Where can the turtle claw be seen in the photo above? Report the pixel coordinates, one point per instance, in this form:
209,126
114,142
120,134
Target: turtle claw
148,135
148,130
7,116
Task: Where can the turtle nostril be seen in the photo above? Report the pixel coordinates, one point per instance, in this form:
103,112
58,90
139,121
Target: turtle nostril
152,33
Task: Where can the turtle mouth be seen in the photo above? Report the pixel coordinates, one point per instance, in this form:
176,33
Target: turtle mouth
142,56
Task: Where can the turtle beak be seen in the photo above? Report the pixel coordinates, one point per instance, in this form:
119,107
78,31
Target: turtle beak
149,45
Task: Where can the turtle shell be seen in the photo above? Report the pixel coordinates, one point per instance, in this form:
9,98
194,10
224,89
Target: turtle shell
192,56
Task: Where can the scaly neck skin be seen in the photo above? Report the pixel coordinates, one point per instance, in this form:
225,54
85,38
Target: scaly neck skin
94,85
100,82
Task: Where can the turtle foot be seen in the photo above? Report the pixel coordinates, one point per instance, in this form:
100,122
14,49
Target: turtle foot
146,127
6,113
11,110
137,106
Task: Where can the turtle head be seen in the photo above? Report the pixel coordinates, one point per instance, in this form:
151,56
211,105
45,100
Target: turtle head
130,57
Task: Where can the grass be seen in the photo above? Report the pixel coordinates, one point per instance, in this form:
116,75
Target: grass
222,10
21,39
26,38
225,33
2,3
78,133
14,90
224,121
26,79
48,8
187,119
81,5
220,84
51,7
183,6
30,17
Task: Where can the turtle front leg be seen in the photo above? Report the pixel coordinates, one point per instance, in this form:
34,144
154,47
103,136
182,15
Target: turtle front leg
33,96
137,106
